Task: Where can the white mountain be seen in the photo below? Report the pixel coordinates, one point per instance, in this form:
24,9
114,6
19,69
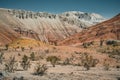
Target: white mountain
82,19
46,26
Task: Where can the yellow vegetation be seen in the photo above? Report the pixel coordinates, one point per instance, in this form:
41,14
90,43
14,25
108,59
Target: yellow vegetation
27,42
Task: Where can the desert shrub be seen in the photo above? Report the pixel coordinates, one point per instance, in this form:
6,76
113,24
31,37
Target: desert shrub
101,42
115,52
19,78
6,47
118,67
1,57
77,52
106,65
53,60
19,54
41,57
111,50
92,42
32,56
84,45
40,69
1,76
113,42
87,44
22,48
118,78
46,51
66,62
11,65
31,48
25,62
88,61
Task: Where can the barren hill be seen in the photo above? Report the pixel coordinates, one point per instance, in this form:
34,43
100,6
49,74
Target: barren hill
109,29
7,35
45,26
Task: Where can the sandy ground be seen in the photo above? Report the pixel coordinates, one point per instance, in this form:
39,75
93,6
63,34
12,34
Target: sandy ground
61,72
68,72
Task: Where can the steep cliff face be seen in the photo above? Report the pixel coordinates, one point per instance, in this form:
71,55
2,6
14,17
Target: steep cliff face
109,29
47,27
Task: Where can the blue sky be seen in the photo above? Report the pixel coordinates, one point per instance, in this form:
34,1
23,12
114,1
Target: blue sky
107,8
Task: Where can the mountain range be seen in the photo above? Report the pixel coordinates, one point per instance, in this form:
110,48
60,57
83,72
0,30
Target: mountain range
67,28
43,26
107,30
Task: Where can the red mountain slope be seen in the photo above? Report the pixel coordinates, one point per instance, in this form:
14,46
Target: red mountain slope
7,35
109,29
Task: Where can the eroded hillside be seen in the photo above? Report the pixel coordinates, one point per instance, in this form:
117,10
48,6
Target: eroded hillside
109,29
47,27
